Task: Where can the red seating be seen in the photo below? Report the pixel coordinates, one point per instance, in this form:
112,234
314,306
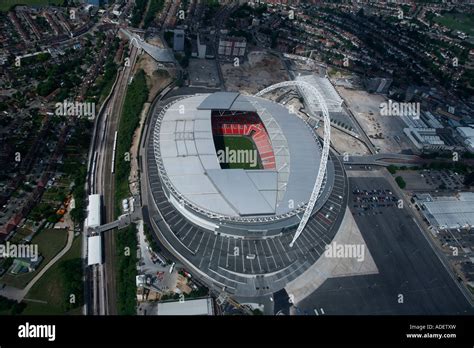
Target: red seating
247,124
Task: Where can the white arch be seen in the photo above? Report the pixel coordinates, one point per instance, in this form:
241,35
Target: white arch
313,91
137,45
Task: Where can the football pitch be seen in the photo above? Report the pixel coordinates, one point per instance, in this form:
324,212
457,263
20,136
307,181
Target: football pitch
237,152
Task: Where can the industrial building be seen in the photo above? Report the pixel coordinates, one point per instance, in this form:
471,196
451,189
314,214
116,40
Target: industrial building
425,138
203,306
428,134
448,212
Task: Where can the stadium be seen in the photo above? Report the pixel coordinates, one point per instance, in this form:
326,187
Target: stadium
243,192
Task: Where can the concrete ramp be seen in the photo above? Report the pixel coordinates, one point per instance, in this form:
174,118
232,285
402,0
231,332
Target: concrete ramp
333,267
162,55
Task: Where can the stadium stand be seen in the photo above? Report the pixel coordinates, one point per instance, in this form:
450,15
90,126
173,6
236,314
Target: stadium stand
245,124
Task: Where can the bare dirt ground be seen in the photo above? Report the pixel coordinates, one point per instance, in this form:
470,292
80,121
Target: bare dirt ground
294,105
345,143
156,41
260,70
385,132
157,79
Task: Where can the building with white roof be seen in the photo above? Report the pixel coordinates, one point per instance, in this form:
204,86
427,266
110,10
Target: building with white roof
94,250
467,133
203,306
93,211
327,91
449,212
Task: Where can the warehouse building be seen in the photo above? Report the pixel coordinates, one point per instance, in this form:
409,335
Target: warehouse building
448,212
203,306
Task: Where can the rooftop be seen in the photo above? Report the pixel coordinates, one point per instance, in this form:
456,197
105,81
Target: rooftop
202,306
450,212
188,154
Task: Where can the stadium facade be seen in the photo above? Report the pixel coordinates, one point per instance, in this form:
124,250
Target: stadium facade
234,225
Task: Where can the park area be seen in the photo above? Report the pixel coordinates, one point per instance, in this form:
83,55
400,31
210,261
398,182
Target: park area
52,293
457,21
50,242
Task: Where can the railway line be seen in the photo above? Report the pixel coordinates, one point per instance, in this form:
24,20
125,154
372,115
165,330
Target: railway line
101,278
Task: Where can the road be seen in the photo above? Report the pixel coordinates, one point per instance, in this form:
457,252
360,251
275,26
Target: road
364,138
385,159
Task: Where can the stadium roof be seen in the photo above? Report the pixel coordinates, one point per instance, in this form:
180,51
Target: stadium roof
189,307
219,100
191,164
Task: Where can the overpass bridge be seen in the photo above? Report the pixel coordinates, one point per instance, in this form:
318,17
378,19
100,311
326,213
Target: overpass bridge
122,221
383,159
161,55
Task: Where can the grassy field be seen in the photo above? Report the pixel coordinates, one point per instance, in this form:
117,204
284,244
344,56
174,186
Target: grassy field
50,242
50,288
457,21
248,159
126,270
137,95
5,5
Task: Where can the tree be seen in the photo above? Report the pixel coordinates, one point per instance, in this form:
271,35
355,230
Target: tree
401,183
392,169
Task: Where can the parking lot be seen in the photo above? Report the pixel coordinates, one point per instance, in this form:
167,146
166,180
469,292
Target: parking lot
432,180
411,278
203,72
372,202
